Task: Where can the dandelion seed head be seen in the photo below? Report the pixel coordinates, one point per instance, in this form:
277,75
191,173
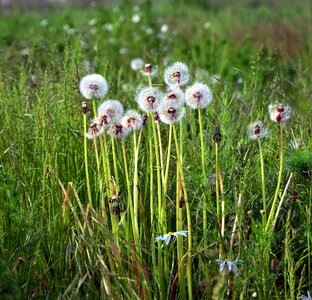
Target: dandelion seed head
112,109
137,64
94,130
174,93
177,74
170,111
198,95
256,130
149,70
118,131
148,98
132,120
93,86
279,112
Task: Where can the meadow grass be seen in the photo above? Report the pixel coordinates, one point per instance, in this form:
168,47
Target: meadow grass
79,217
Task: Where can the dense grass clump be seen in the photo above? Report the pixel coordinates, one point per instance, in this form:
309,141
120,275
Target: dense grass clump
214,202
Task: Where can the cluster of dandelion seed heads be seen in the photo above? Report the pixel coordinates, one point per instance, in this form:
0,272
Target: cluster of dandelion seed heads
93,86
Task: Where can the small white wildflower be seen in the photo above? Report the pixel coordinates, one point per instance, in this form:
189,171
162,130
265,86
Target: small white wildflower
228,265
170,111
256,130
148,98
123,51
164,28
174,93
149,70
279,112
92,22
149,30
108,27
93,86
304,297
207,25
137,64
118,131
136,18
177,74
113,109
198,95
132,120
167,237
44,23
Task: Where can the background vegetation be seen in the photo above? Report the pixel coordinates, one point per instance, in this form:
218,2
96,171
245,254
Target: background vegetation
250,53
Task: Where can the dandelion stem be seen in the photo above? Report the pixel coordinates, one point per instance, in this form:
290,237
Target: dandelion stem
269,224
86,159
202,147
135,186
168,160
188,217
217,191
262,181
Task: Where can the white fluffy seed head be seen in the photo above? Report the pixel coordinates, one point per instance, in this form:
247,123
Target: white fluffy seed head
256,130
137,64
177,74
95,129
279,112
112,109
118,131
132,120
174,93
198,95
170,111
93,86
148,98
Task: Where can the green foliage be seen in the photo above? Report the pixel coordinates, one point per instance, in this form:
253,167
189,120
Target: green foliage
55,245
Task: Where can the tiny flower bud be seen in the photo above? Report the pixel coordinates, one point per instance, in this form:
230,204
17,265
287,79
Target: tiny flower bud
217,137
85,108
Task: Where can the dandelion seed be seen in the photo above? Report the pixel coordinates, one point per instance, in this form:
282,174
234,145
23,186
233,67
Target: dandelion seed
256,130
93,86
148,98
177,74
304,297
132,120
149,70
170,111
94,130
228,265
279,112
44,23
137,64
175,94
167,237
198,95
118,131
108,27
112,109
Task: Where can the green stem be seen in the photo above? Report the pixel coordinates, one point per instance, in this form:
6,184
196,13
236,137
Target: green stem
86,159
262,181
272,211
188,217
204,175
168,160
218,194
135,189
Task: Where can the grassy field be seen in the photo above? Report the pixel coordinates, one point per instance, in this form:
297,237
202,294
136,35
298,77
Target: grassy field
79,217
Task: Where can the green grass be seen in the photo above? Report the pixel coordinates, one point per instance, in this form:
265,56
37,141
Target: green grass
52,243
